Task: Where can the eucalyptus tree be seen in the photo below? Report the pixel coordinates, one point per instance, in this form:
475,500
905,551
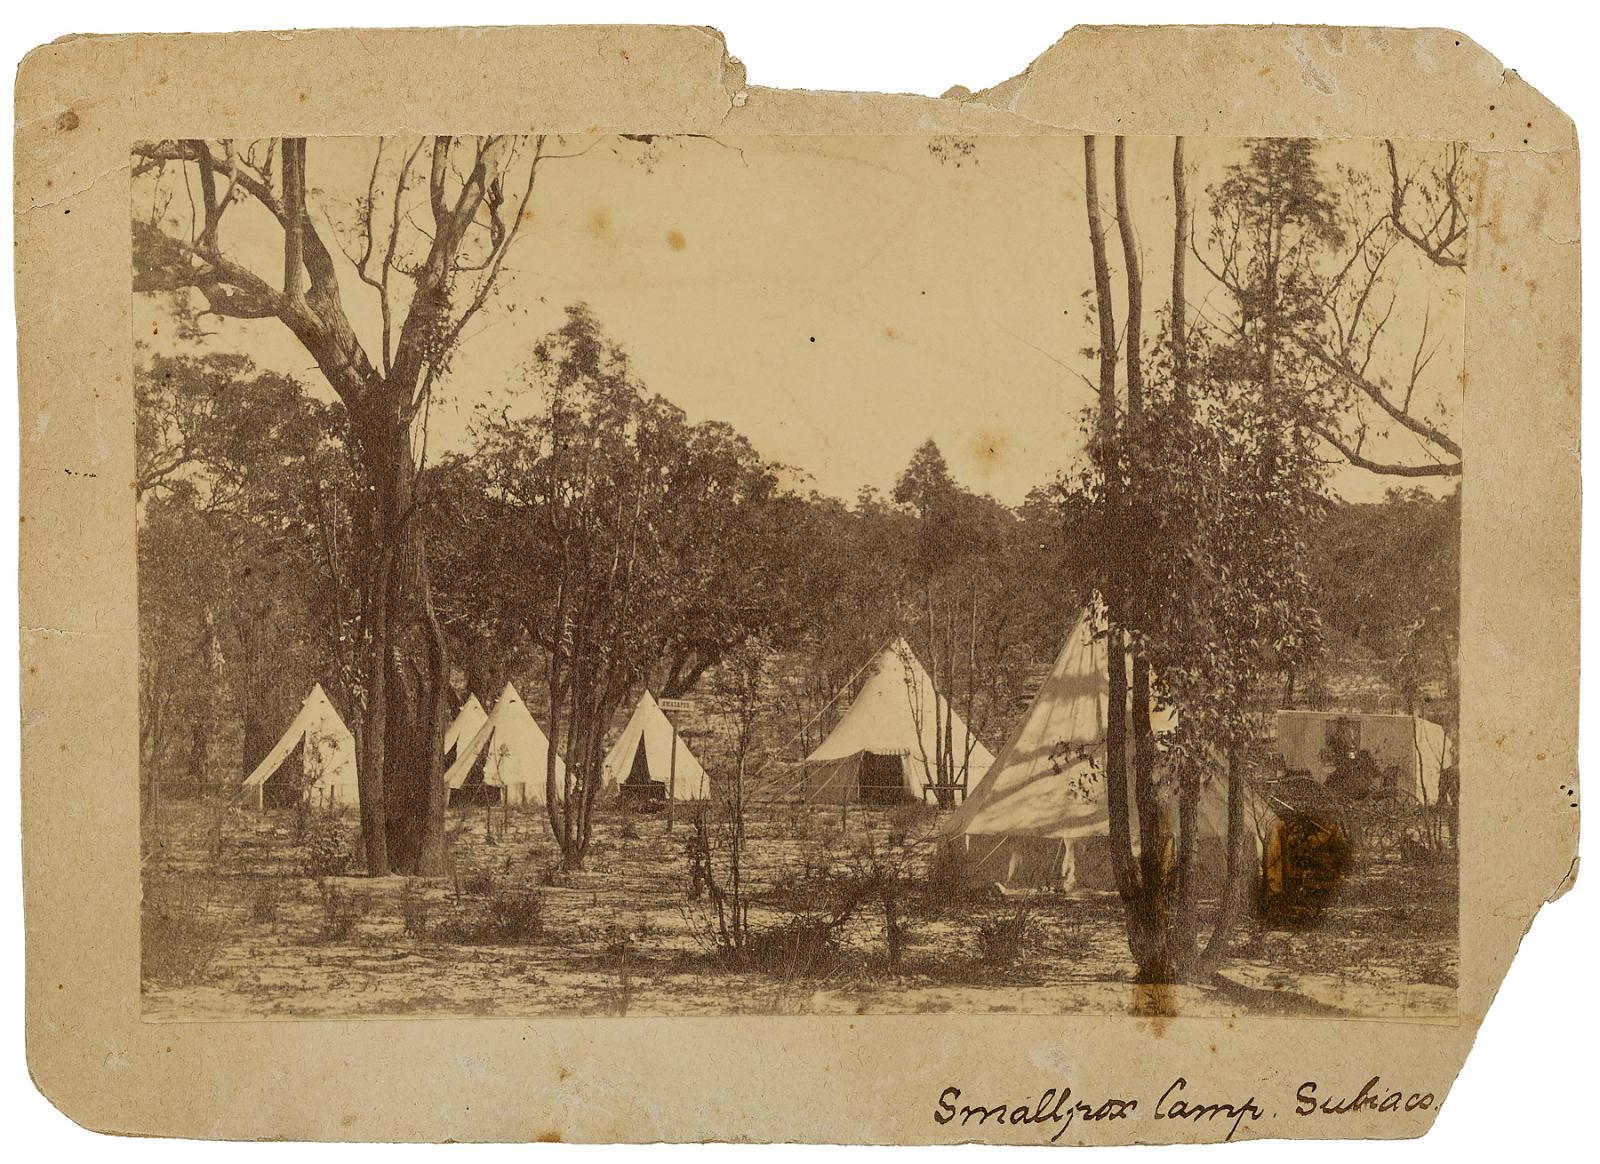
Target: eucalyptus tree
247,230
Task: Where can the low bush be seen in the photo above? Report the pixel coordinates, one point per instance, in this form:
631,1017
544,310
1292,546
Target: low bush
949,882
342,911
1003,939
264,900
619,951
802,947
179,935
329,844
515,914
509,914
415,910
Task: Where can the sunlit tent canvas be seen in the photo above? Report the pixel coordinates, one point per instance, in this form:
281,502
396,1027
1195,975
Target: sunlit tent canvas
326,772
643,753
1039,818
1409,753
506,756
886,745
466,724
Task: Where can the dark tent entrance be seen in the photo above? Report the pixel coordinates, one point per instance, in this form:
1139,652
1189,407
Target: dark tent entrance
640,787
881,779
474,790
286,787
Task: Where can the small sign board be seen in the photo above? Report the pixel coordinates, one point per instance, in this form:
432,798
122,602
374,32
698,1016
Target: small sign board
675,704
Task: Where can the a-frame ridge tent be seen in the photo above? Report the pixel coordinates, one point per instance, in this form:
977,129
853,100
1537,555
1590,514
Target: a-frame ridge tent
886,745
514,751
466,724
1411,752
644,753
1039,818
327,759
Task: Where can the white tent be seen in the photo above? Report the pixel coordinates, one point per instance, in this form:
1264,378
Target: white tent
466,724
886,745
327,759
644,753
514,751
1408,747
1039,818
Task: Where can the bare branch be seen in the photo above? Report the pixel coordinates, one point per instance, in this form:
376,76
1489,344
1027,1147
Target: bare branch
1354,456
1442,241
1378,391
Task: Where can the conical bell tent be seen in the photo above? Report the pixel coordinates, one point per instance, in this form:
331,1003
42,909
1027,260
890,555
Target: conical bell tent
466,724
1039,819
505,758
644,754
886,745
327,770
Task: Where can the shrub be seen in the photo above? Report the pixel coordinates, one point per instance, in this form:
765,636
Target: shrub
414,910
329,844
879,876
906,824
644,928
264,899
619,948
179,938
478,883
1073,940
515,915
803,947
510,914
1003,939
341,911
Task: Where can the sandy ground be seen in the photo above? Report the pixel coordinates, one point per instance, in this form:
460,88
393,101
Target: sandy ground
623,937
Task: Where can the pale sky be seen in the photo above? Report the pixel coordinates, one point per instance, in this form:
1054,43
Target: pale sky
838,300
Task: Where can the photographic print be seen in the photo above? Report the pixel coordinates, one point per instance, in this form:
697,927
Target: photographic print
639,606
628,574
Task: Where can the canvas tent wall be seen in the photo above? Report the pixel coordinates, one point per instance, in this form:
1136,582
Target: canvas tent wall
1039,818
886,745
506,758
466,724
644,753
1415,748
326,773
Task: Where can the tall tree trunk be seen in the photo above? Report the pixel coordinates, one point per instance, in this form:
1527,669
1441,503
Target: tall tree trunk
1154,899
260,721
402,780
1187,904
1233,888
1116,757
370,781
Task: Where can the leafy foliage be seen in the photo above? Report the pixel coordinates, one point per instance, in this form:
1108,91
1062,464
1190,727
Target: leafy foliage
246,506
1388,577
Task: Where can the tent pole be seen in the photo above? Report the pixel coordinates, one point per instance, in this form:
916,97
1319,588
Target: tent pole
672,774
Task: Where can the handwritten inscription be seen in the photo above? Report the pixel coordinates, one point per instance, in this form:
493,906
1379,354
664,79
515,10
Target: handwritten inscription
1174,1107
1057,1110
1372,1097
1052,1107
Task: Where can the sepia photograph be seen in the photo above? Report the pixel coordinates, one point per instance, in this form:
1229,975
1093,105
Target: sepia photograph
650,575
